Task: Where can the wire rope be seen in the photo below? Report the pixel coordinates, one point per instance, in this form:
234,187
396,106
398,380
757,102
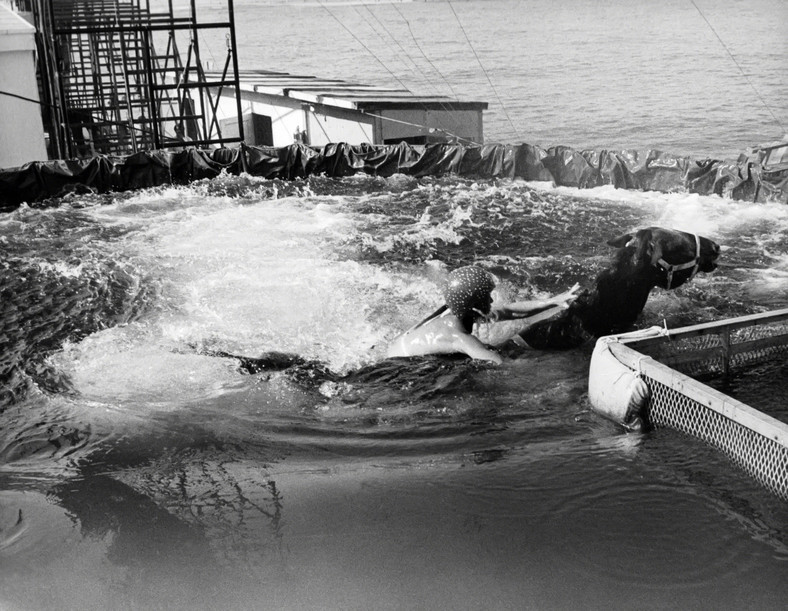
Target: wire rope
479,61
385,67
26,99
423,54
382,38
743,73
359,41
418,69
436,129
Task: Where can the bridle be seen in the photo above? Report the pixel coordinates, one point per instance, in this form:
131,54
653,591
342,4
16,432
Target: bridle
671,269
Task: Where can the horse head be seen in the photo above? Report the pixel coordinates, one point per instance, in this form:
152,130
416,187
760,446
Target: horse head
645,259
667,258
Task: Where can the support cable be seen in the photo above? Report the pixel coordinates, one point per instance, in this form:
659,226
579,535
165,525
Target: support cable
498,97
431,129
379,35
744,74
144,131
417,69
423,54
424,77
26,99
366,48
394,76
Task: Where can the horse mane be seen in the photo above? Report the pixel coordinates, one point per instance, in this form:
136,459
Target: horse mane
611,305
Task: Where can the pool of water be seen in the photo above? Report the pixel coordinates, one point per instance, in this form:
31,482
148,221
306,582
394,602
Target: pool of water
763,386
138,471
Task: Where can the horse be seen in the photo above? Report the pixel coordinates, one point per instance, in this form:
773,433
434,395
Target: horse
644,259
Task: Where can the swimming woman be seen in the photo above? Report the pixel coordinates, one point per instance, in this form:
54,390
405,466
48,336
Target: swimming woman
468,295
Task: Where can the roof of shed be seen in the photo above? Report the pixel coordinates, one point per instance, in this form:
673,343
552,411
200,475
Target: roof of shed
344,94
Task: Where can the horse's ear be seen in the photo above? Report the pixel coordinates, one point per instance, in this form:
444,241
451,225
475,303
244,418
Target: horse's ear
642,242
621,240
645,250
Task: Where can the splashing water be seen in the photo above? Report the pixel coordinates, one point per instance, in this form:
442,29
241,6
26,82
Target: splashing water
194,484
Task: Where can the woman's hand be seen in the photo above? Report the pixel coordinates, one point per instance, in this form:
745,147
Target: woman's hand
564,299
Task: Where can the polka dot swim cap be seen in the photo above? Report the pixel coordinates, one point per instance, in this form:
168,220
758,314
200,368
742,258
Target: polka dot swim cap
468,288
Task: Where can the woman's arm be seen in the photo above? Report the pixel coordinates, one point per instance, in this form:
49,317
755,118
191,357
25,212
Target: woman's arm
474,348
526,309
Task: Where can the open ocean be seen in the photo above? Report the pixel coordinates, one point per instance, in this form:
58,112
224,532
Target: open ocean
139,472
612,74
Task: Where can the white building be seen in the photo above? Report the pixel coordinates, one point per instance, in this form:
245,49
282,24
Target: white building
280,108
21,127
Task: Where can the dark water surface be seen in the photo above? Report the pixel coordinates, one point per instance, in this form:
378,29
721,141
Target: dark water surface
149,475
763,386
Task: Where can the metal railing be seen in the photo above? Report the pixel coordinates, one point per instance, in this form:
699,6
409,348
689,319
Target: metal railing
753,440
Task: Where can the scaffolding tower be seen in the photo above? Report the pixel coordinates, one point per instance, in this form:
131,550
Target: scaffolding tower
114,79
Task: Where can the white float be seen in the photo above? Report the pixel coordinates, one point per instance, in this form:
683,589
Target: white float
614,390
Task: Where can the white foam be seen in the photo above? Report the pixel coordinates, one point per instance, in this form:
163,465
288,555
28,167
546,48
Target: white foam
248,276
709,215
240,278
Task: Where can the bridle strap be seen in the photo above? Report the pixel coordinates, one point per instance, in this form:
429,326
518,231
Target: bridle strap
670,269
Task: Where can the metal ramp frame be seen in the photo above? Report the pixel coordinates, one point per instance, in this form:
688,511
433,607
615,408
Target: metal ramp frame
115,81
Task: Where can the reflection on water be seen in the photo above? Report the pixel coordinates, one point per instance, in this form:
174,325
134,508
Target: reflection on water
152,474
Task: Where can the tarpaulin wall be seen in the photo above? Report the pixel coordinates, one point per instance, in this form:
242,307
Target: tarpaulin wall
649,170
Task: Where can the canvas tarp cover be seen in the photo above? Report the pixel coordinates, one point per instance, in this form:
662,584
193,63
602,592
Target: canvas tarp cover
650,170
